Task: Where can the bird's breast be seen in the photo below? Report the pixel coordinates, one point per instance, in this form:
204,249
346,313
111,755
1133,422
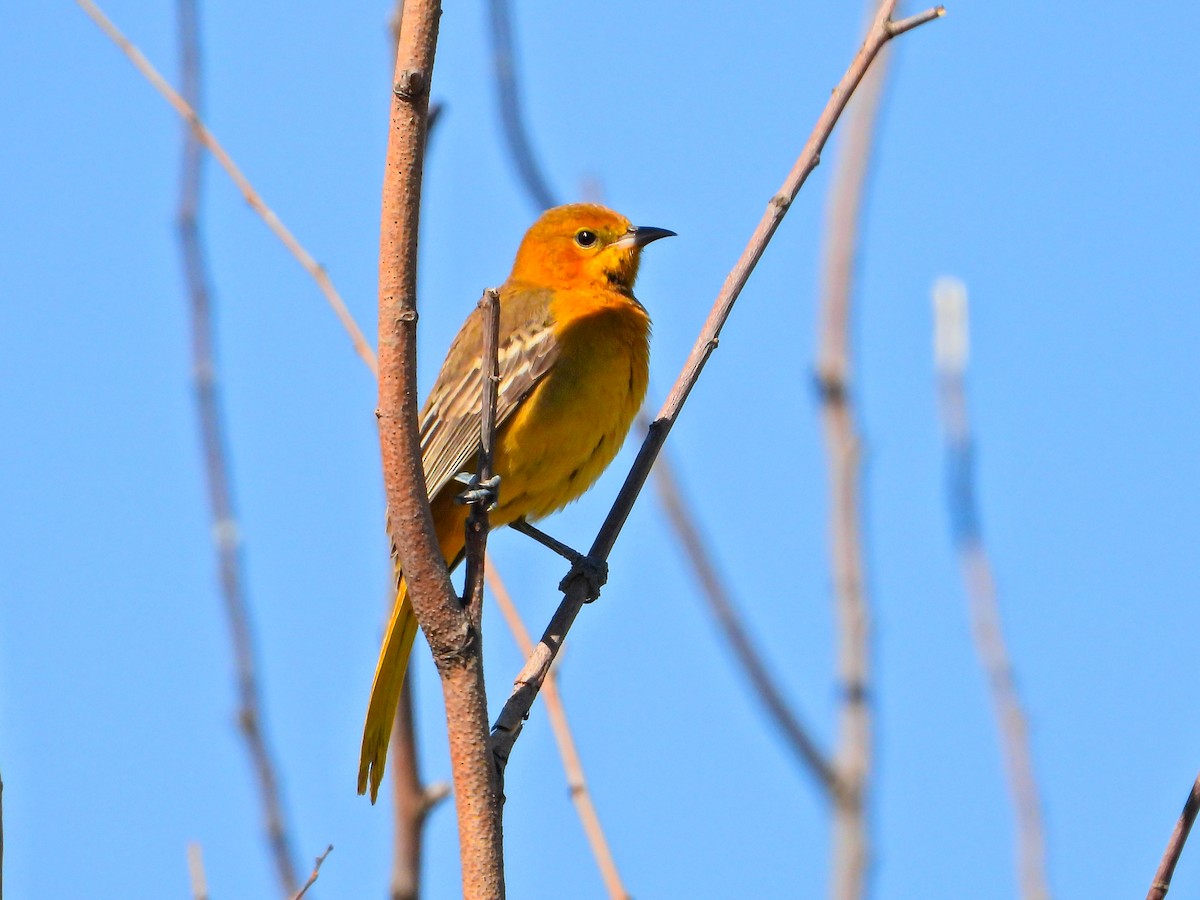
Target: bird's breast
574,422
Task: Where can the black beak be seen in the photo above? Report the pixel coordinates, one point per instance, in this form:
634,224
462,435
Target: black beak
641,235
644,234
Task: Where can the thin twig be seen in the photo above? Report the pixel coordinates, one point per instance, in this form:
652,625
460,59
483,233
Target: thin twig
312,878
205,137
1170,857
951,343
731,622
408,797
577,586
572,765
452,636
509,94
850,851
475,547
216,463
680,513
195,863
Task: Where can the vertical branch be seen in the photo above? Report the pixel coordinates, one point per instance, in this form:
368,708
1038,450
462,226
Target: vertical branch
453,638
852,758
951,344
730,621
572,764
216,462
1,839
410,800
509,96
1170,857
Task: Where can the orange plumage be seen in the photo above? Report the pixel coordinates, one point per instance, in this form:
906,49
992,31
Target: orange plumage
574,364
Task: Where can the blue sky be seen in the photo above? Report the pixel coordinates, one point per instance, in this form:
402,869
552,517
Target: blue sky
1045,157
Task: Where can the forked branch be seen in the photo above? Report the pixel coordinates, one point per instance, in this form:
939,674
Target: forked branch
575,587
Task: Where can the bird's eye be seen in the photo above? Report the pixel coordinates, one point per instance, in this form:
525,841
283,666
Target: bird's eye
585,238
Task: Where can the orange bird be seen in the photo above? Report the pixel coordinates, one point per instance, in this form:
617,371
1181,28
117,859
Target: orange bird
574,363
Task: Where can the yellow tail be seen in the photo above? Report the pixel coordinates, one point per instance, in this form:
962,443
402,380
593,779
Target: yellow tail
385,692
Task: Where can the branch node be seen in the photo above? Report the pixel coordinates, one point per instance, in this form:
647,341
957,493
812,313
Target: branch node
781,202
411,85
407,315
589,569
831,388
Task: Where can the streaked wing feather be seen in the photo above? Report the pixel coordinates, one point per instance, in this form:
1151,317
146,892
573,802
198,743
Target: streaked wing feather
451,420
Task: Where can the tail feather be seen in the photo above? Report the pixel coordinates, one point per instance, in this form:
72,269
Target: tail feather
385,692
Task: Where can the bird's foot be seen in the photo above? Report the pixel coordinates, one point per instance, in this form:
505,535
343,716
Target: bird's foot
593,571
486,492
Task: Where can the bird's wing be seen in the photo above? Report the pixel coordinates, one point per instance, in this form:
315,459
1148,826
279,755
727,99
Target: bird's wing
451,420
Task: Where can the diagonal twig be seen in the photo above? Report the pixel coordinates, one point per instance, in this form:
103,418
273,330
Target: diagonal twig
314,875
576,587
216,463
1170,858
951,347
572,765
252,197
680,513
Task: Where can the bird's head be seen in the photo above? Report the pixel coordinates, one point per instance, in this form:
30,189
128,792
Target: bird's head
583,245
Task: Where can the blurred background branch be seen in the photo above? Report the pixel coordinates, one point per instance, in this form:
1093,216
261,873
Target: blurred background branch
952,341
852,760
200,131
730,621
508,93
216,456
556,712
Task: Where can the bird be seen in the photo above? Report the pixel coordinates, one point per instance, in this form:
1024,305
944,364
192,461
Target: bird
573,362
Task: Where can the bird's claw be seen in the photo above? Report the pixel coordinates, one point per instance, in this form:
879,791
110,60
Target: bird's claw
593,571
486,492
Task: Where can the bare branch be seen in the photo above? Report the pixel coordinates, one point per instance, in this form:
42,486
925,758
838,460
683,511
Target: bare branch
1170,857
576,587
852,758
952,336
216,462
572,765
452,636
205,137
509,94
312,878
731,622
199,881
475,547
409,799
